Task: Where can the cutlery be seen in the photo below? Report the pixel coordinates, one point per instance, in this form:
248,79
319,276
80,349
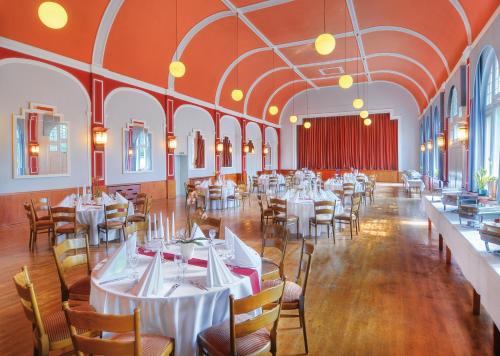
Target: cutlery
172,289
113,280
198,285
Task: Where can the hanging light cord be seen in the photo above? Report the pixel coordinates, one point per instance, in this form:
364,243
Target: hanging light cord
176,32
237,49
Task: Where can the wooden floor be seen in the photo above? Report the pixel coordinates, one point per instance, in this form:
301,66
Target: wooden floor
387,292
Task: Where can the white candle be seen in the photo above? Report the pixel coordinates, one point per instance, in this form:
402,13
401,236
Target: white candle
160,232
156,227
173,223
167,232
149,228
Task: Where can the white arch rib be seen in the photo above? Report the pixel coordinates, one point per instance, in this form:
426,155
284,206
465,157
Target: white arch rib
412,33
406,77
456,4
255,82
103,32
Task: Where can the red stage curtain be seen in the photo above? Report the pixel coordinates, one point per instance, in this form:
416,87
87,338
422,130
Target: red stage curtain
345,142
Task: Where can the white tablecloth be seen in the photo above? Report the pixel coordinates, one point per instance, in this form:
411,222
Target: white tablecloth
332,184
264,180
411,183
480,268
186,312
302,205
93,215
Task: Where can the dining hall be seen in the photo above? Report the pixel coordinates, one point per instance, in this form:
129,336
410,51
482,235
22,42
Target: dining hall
249,177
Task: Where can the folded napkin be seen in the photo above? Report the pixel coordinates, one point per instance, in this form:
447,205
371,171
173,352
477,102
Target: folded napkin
151,282
244,256
120,199
115,264
196,232
67,202
218,275
106,199
132,243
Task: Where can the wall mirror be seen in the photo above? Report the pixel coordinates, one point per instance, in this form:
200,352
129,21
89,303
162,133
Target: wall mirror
227,153
137,148
198,153
269,155
40,142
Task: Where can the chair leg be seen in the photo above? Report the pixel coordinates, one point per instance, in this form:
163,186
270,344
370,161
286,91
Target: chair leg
310,230
315,234
297,228
350,224
302,316
333,231
106,240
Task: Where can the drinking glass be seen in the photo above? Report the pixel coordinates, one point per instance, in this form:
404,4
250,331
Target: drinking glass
133,261
178,264
211,234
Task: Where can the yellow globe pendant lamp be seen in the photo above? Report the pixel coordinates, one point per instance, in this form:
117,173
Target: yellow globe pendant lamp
358,103
363,114
345,81
237,94
293,119
325,44
273,110
307,125
52,15
177,69
367,121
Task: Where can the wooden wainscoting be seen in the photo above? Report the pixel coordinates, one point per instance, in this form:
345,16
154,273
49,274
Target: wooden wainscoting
386,176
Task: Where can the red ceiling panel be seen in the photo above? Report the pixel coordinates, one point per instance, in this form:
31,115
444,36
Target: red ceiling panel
478,12
411,87
282,98
333,69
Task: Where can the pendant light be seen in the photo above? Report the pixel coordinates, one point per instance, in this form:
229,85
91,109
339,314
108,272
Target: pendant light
324,43
367,121
345,81
273,109
293,118
307,124
237,94
358,102
422,147
52,15
177,68
364,114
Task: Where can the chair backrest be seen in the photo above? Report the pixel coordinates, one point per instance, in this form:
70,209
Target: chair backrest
355,204
40,205
368,186
275,238
214,191
28,209
206,224
268,299
26,293
278,206
305,265
141,204
324,207
255,181
242,188
140,227
61,214
360,178
259,200
115,211
71,253
90,344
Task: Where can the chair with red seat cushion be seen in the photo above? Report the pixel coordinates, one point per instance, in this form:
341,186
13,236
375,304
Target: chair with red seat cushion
38,226
244,334
71,255
127,341
64,219
115,218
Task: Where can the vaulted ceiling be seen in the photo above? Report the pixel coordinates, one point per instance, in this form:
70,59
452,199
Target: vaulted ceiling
414,44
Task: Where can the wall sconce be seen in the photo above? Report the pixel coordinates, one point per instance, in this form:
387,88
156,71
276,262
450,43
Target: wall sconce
220,147
35,149
230,148
462,134
172,142
422,147
100,137
246,148
429,145
441,140
130,152
265,150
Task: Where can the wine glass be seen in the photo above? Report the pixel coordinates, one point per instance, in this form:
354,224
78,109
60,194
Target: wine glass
178,264
211,234
133,261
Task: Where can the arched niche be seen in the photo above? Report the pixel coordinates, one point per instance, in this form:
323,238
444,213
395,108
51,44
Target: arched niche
188,119
254,161
230,128
122,107
272,142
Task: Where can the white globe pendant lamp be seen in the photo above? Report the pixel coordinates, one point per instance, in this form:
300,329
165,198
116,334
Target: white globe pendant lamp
325,44
237,94
293,119
364,114
345,81
358,103
367,121
273,110
177,69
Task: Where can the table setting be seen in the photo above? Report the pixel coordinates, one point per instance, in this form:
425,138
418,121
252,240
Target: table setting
333,184
228,187
180,292
264,180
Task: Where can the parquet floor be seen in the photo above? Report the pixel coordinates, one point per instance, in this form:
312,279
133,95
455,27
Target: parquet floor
387,292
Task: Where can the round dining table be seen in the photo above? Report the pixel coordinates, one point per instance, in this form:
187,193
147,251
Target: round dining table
333,184
301,203
264,180
188,310
228,188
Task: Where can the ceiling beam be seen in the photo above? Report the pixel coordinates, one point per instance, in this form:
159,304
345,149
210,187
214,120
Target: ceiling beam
359,40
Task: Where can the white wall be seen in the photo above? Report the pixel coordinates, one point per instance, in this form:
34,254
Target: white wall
254,161
23,81
382,97
120,107
272,139
230,127
187,120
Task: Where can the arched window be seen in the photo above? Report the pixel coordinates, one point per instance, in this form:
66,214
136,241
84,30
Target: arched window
435,152
484,131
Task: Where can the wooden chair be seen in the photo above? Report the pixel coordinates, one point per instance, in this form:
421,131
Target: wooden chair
115,218
288,182
295,292
141,228
206,224
324,215
235,197
64,220
142,209
71,255
351,216
348,191
44,226
368,193
215,194
50,333
273,184
243,334
244,194
281,216
360,179
255,184
126,340
275,239
41,207
266,214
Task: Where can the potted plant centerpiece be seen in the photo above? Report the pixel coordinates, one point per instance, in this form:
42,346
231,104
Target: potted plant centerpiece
187,244
98,188
482,180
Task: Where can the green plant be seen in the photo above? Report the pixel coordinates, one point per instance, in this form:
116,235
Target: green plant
482,179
